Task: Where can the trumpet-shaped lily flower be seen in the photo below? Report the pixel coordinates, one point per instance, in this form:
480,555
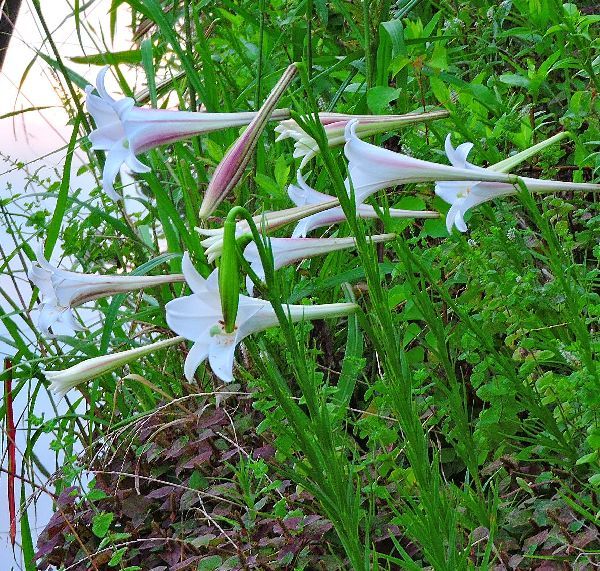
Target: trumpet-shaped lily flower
372,168
463,195
267,221
232,166
62,290
61,382
199,318
302,195
334,124
286,251
124,131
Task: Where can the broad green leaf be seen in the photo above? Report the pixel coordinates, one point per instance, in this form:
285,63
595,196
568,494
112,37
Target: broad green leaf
101,524
379,98
514,79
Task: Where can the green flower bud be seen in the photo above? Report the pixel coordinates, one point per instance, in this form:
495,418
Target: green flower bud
229,274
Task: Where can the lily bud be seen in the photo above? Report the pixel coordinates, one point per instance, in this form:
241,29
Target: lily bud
509,163
229,275
230,170
61,382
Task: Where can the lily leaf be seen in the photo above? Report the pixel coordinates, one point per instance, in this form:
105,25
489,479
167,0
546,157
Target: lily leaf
110,58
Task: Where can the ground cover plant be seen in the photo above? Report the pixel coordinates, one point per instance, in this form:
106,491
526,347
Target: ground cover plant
332,302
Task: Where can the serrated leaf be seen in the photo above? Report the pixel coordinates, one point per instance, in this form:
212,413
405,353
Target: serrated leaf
435,227
587,459
101,524
514,79
594,480
322,11
197,481
117,557
210,563
441,92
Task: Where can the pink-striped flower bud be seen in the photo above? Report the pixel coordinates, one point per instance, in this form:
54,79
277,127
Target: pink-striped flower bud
231,168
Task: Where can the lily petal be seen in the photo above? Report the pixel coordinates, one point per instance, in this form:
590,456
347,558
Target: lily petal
197,354
199,318
466,194
114,159
221,354
371,168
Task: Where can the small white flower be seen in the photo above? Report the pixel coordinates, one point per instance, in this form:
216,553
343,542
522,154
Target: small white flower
199,318
62,290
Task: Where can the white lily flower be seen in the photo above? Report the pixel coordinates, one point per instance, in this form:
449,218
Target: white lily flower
463,195
303,195
61,382
286,251
264,222
372,168
124,130
199,318
62,290
334,125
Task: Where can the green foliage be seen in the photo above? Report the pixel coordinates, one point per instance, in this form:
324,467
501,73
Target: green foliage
453,422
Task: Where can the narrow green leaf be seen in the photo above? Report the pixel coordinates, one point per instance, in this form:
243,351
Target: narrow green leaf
110,58
147,58
21,111
72,76
61,201
26,539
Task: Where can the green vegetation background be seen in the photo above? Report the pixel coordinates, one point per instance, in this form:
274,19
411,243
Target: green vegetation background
453,423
